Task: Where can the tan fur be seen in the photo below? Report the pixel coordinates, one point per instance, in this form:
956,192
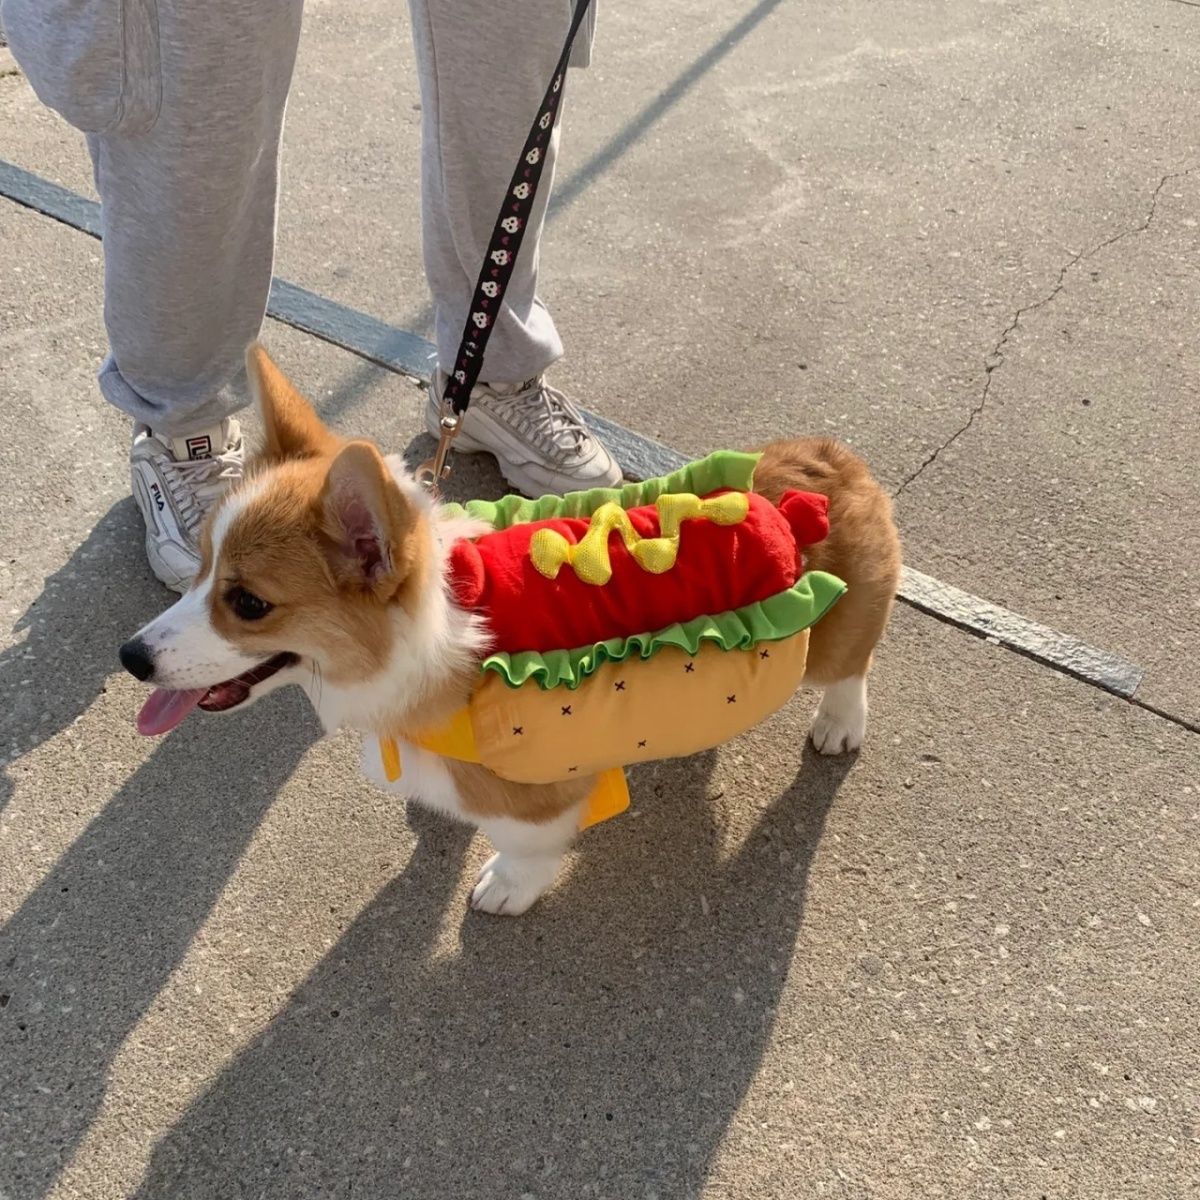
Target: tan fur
290,547
862,549
291,427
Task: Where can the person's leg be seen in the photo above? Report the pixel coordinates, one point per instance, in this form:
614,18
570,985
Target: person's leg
183,106
484,66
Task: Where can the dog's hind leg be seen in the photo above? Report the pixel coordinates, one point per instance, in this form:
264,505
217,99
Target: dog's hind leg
841,646
840,722
863,550
840,651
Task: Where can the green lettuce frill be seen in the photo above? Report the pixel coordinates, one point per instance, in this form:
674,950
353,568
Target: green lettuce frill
724,469
771,620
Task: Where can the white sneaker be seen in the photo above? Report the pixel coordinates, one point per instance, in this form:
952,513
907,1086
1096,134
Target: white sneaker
537,435
176,480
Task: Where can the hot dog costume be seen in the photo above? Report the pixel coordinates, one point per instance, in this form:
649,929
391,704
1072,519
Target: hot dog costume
646,622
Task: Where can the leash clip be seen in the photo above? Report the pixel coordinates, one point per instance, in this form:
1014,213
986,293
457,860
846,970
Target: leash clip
431,472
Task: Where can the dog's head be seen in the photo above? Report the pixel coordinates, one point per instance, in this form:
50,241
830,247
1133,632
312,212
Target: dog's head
312,569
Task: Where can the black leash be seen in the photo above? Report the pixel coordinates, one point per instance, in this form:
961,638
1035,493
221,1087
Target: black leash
498,263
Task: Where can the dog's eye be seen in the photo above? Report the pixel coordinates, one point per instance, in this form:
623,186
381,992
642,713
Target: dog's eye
246,605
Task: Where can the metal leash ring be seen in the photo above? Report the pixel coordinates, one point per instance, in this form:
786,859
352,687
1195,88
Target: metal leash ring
431,472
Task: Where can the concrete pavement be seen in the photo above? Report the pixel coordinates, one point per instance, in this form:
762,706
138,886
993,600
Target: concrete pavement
961,965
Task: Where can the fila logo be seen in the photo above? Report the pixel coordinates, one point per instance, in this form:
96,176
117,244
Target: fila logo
156,492
199,447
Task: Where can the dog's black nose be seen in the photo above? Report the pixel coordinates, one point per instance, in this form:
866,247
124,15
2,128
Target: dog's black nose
136,659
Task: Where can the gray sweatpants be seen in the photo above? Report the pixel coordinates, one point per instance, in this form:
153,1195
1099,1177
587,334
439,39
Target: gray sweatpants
183,105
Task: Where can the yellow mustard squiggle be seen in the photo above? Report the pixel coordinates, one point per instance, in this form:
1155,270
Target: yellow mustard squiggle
589,558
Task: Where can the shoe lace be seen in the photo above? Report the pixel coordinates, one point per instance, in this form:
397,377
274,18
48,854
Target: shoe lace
543,416
196,485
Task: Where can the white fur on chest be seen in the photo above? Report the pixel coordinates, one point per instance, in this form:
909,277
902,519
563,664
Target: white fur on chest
424,777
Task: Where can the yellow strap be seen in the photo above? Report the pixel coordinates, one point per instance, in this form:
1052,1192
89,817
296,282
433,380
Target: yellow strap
389,754
453,739
609,797
456,739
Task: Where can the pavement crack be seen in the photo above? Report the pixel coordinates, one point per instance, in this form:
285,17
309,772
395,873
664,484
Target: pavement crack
1184,723
995,357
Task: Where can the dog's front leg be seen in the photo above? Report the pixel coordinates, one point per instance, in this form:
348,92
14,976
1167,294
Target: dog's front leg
527,860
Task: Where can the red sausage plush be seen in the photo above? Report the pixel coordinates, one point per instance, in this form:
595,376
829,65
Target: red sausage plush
718,568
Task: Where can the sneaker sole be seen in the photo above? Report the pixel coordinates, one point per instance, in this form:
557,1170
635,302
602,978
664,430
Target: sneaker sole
166,575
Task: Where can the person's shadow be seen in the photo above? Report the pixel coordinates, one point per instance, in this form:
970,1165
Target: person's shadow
84,956
605,1039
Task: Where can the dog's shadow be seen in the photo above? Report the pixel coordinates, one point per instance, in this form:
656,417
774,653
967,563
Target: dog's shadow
606,1038
100,596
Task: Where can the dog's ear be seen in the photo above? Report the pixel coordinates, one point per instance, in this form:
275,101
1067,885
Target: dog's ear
291,427
370,526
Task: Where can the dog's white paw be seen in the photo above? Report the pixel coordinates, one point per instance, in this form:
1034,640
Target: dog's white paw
840,722
833,736
508,885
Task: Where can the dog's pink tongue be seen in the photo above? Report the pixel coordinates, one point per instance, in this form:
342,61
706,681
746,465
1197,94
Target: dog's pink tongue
165,709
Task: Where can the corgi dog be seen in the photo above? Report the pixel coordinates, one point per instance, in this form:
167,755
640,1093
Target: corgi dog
329,567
